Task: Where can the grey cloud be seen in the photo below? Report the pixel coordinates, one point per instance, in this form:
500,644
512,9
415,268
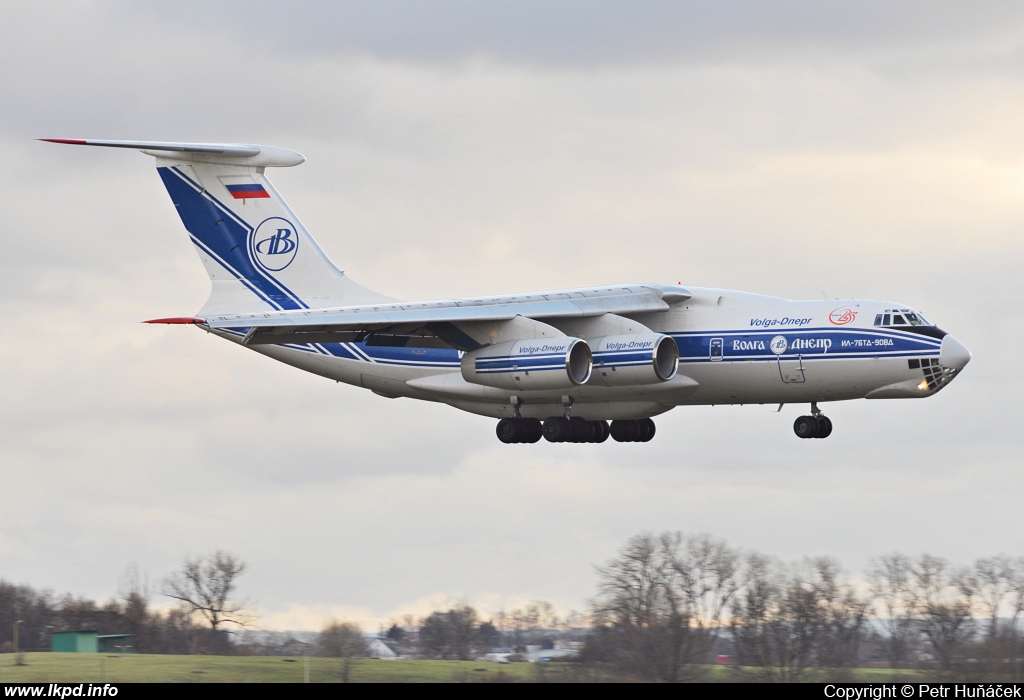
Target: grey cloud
579,32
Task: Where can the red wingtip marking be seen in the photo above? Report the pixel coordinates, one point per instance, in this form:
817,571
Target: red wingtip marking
180,320
74,142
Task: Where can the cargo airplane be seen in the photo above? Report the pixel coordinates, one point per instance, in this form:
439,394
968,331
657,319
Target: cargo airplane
558,365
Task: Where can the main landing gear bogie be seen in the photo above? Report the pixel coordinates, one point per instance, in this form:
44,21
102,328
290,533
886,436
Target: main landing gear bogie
559,429
511,430
816,425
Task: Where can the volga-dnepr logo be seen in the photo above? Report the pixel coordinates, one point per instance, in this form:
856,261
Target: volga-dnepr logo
274,243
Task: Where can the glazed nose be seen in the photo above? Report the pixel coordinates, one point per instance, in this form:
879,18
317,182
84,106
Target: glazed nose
953,353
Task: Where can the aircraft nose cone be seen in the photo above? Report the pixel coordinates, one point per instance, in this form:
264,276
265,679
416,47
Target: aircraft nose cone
953,353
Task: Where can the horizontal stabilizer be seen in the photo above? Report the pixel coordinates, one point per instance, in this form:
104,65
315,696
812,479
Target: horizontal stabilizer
227,153
177,321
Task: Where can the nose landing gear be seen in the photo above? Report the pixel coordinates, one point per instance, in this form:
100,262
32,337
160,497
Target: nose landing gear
816,425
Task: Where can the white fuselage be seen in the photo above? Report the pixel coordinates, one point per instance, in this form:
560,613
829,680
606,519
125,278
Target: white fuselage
734,348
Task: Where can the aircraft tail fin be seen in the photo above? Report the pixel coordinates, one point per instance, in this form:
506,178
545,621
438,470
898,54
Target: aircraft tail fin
258,254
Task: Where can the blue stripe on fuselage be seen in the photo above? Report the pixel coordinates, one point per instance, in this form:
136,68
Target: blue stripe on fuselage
808,343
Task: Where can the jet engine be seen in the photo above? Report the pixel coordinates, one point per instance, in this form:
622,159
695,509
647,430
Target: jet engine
545,363
641,358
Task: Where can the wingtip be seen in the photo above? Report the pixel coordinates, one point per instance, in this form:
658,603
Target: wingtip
73,142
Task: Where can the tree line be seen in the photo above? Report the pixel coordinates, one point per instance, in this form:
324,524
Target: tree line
204,589
668,607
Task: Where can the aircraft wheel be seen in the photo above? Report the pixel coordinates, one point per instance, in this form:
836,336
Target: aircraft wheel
601,431
507,430
824,427
556,429
643,430
532,430
806,427
648,430
623,430
580,430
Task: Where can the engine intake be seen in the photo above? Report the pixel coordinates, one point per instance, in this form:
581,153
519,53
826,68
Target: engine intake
642,358
546,363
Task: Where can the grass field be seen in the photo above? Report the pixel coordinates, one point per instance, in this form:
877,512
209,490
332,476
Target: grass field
43,667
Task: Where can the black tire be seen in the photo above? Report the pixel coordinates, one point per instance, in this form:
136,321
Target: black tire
806,427
623,430
644,430
824,427
601,431
649,429
556,429
507,430
580,430
532,430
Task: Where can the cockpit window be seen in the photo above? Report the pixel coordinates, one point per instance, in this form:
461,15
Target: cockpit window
900,317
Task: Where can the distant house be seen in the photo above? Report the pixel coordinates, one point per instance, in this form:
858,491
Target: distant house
544,655
499,654
91,642
380,648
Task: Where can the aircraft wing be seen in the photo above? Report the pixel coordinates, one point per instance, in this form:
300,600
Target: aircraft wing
441,318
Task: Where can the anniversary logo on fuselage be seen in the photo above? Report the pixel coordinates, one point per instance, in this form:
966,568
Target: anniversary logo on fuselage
273,244
842,316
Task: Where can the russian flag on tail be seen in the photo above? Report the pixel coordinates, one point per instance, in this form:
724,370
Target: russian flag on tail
248,191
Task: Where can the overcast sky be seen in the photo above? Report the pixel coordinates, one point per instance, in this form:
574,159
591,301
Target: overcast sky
864,149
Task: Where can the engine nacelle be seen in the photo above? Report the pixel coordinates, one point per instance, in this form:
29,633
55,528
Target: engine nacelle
545,363
642,358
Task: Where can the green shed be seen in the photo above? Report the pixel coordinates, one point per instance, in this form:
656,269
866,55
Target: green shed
91,642
81,641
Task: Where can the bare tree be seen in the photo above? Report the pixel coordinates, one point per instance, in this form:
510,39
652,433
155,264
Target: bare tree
788,619
945,604
843,616
206,585
998,581
999,587
660,603
774,622
135,595
891,578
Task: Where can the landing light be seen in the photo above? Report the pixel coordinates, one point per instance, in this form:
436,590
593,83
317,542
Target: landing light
923,385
